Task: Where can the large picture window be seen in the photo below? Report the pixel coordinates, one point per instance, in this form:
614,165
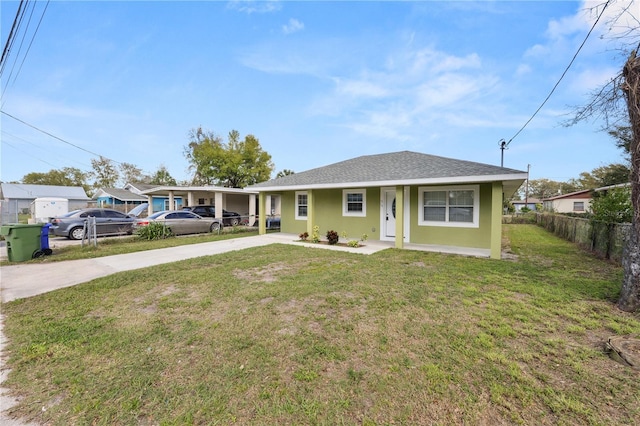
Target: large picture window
354,202
449,206
302,205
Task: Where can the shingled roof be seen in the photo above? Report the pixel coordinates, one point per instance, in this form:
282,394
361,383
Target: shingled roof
120,194
396,168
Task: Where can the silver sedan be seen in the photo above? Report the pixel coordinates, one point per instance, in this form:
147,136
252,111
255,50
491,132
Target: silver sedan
182,222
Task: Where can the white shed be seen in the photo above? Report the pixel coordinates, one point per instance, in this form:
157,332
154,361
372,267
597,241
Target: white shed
44,208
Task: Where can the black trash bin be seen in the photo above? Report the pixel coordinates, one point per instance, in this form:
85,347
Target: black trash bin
44,240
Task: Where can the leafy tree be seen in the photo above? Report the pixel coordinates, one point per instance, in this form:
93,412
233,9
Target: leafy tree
617,103
234,164
104,174
130,173
613,205
67,176
162,177
285,172
546,188
623,136
612,174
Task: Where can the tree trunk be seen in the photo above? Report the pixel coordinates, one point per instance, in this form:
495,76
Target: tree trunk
630,294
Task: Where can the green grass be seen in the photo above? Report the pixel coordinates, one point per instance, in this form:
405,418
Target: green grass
131,244
292,335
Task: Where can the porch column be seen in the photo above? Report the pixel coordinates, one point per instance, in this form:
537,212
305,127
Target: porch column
310,215
172,201
150,207
190,199
219,204
496,220
252,209
399,217
262,220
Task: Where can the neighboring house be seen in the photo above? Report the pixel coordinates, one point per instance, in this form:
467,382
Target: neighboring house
231,199
118,198
529,203
17,198
157,202
574,202
404,197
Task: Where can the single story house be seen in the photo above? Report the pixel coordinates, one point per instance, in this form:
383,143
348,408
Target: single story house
118,198
403,197
530,203
573,202
232,199
17,198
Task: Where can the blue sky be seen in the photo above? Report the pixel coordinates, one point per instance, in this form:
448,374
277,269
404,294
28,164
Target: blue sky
315,82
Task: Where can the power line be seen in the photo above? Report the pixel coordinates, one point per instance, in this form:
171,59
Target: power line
30,155
11,37
60,139
39,147
503,143
28,48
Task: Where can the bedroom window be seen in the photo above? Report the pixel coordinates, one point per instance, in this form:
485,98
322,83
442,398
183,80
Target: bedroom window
449,206
354,202
302,205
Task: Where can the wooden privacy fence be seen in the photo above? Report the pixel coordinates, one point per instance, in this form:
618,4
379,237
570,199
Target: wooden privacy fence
605,239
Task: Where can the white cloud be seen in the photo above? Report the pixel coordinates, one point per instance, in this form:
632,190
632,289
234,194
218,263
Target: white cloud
292,26
359,89
255,6
589,79
523,69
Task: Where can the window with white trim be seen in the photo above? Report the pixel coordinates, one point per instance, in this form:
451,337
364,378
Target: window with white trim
449,206
578,206
354,202
302,204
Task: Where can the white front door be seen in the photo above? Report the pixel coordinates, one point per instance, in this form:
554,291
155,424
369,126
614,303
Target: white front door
389,217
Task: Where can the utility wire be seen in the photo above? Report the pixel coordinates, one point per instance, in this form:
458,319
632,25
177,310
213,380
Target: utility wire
56,137
39,147
505,145
24,35
10,38
28,48
39,159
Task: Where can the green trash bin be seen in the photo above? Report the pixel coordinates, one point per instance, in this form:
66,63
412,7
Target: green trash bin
23,241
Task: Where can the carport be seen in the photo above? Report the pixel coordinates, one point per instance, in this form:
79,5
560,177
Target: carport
231,199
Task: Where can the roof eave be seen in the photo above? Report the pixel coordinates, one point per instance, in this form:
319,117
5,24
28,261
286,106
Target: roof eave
405,182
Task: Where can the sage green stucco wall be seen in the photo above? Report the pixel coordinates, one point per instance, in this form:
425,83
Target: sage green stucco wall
451,236
328,215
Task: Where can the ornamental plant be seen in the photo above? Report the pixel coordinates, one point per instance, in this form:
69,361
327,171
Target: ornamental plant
315,236
304,236
153,231
332,237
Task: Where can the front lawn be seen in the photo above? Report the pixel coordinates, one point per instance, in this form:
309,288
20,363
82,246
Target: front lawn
292,335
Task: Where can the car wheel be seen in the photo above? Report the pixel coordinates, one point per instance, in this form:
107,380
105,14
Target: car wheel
235,221
215,227
76,233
